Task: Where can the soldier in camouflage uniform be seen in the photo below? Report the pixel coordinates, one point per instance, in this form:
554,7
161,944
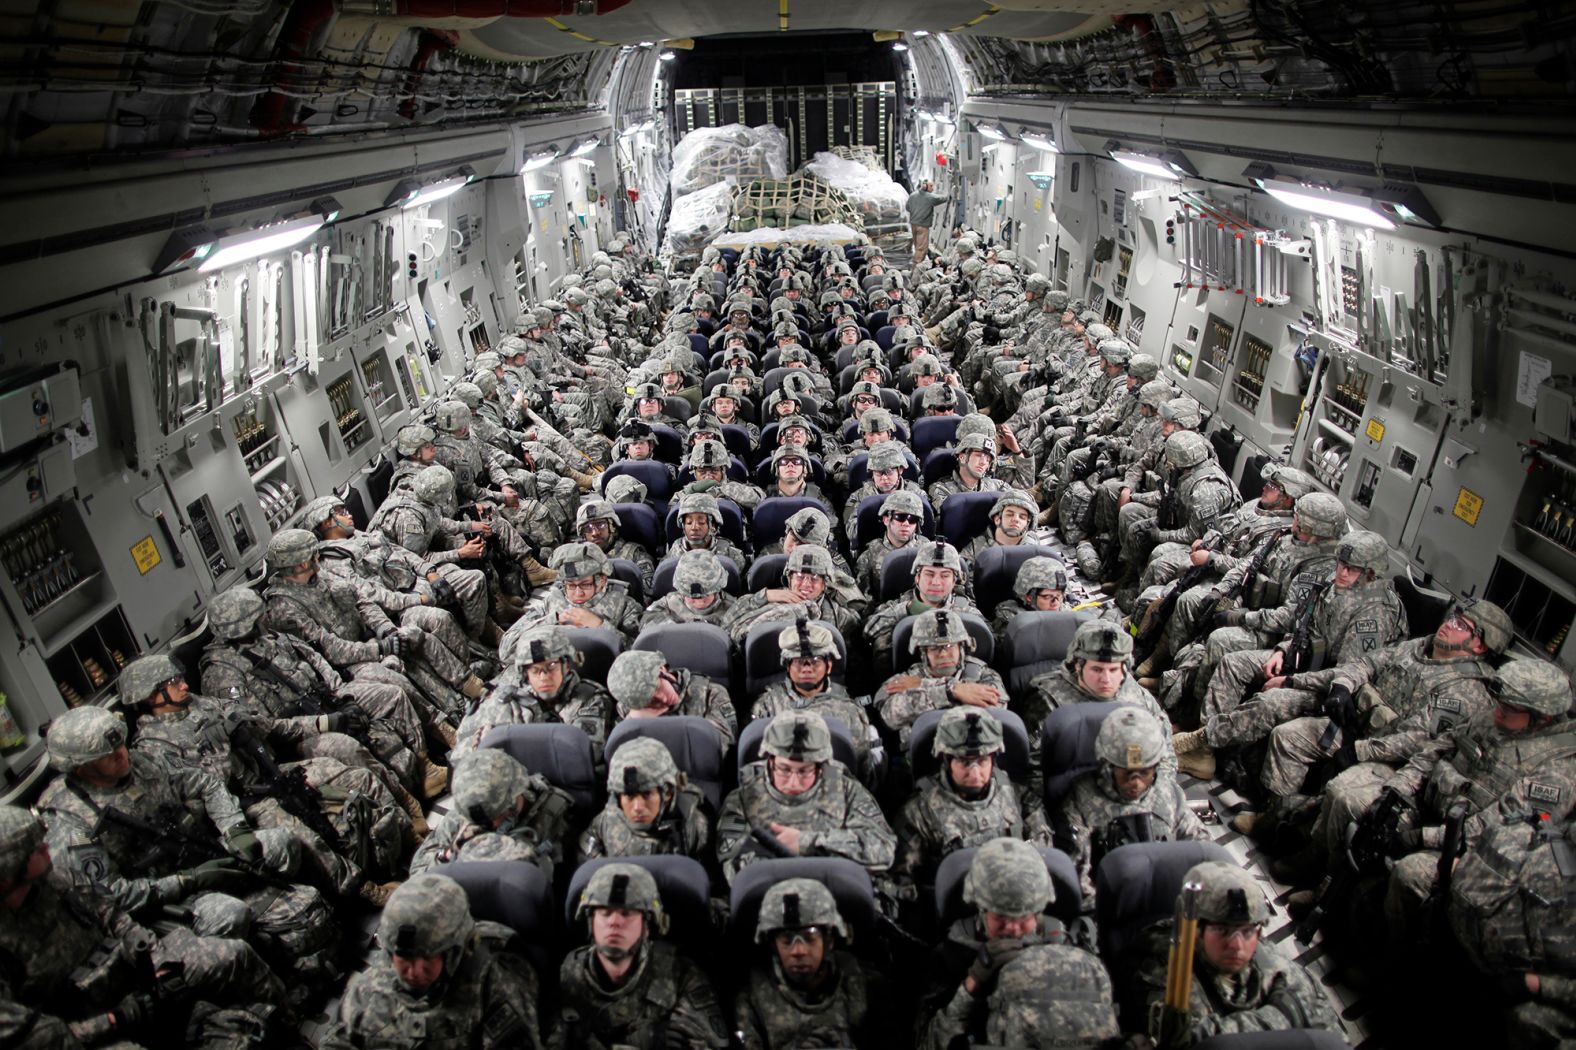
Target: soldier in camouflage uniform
627,988
597,522
943,674
1011,518
700,518
699,593
708,463
796,801
651,808
72,967
809,525
498,803
414,452
584,595
886,463
1096,412
644,686
357,832
443,979
1125,799
809,655
1241,982
1197,494
814,590
1039,586
1143,463
284,678
1024,983
976,457
967,802
540,684
805,990
902,513
116,867
939,576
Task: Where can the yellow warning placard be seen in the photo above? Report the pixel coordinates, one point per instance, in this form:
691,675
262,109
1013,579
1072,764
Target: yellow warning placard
1468,506
146,554
1374,430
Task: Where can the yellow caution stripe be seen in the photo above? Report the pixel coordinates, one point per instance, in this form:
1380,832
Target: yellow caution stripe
992,10
556,24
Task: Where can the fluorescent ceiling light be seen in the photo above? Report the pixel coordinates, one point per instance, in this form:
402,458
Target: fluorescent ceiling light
1169,164
898,45
991,131
437,191
665,56
580,149
918,33
228,251
1322,201
1038,140
1381,208
540,159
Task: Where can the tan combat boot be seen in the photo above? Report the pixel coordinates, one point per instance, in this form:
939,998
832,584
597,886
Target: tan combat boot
587,482
473,688
537,574
413,810
377,894
434,778
1244,823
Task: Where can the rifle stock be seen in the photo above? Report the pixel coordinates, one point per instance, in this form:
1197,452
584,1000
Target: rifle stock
1170,1023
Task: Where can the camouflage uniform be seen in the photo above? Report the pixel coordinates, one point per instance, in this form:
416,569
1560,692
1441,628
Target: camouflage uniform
1197,494
837,817
611,603
922,687
485,997
829,698
636,676
830,605
882,623
954,482
1272,993
495,793
513,701
595,510
684,825
1036,574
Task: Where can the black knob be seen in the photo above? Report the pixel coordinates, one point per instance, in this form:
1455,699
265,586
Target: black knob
40,407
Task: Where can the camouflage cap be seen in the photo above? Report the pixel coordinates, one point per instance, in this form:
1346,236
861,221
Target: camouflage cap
142,677
1183,411
576,561
82,735
1319,513
234,612
876,421
413,437
701,503
639,765
434,486
1040,573
938,554
800,736
544,642
795,904
428,915
1008,877
967,731
1295,483
452,416
623,885
708,455
1535,685
812,558
1155,393
1230,897
1014,498
698,574
806,639
886,455
1187,448
1100,640
633,677
20,835
288,548
1493,625
487,785
595,510
625,489
467,393
809,525
939,627
1130,738
1362,549
903,501
1143,367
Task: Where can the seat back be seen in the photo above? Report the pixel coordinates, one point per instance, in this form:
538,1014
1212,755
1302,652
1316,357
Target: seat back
627,571
598,648
765,571
948,905
732,522
939,463
737,440
682,883
667,443
699,647
675,407
770,519
868,516
763,656
697,343
696,745
897,572
378,480
560,753
842,742
1035,643
736,471
662,578
639,523
1014,761
849,882
979,630
1425,609
933,432
996,569
1137,886
517,894
859,470
1067,747
649,472
965,515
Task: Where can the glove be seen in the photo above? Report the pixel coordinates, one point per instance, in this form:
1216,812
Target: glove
1346,755
1224,618
443,592
993,955
352,721
214,874
131,1011
391,644
992,333
701,486
1340,706
242,842
1284,1001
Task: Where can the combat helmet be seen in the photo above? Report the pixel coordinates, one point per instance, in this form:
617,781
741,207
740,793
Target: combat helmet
1320,514
627,886
942,395
544,642
1186,449
801,736
1362,549
965,732
1100,640
876,420
708,455
234,613
1155,393
1008,877
595,510
903,501
20,835
701,503
1183,411
142,677
452,416
938,554
82,735
1494,625
1230,896
1295,483
639,765
434,486
794,904
698,574
1014,498
809,525
467,393
1098,332
412,437
318,511
1143,367
810,557
1535,685
976,443
576,561
939,627
806,639
1039,573
288,548
428,915
886,455
1115,352
1130,738
487,784
633,677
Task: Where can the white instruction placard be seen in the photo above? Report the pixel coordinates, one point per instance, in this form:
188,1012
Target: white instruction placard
1531,371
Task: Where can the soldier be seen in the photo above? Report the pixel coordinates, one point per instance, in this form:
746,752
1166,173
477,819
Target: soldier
796,801
1039,586
1126,798
1240,982
901,515
814,590
886,463
98,816
944,674
1025,983
501,811
699,593
976,456
1197,494
1140,482
808,525
651,808
644,686
939,576
790,467
582,596
809,655
282,676
541,683
627,988
75,973
967,802
443,979
1098,667
1011,518
597,523
805,991
414,451
700,518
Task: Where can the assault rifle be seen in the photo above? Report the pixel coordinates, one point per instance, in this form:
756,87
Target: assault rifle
291,790
1299,657
1152,624
167,845
1369,842
1250,573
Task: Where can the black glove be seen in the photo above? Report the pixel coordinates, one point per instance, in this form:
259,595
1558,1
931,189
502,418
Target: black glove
352,721
1223,618
1346,755
443,592
1340,706
213,875
1282,999
993,955
391,644
131,1011
993,333
243,842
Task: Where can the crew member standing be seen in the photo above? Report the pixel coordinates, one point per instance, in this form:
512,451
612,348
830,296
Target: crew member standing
921,208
